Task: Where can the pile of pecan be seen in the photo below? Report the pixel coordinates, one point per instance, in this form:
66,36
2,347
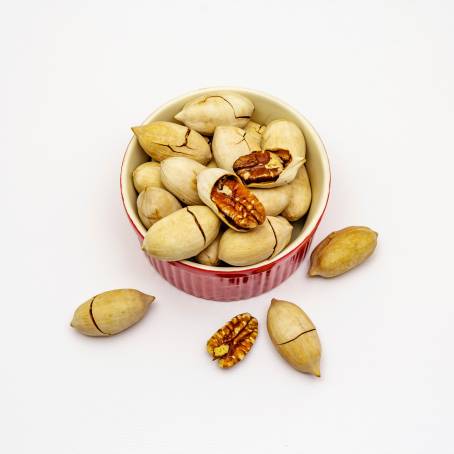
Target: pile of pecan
220,189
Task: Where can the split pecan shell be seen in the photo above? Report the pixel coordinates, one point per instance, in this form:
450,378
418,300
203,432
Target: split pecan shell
230,344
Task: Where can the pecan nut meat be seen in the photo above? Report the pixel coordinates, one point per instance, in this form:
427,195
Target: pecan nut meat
230,199
237,203
262,166
232,342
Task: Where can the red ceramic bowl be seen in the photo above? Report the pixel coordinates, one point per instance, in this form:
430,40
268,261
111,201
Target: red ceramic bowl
235,283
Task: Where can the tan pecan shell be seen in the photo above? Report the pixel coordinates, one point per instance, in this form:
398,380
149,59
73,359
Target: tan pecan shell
242,208
232,342
262,166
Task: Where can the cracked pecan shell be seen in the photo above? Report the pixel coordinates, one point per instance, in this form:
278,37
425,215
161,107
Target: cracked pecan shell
182,234
163,139
294,336
111,312
284,135
262,243
225,108
230,344
229,143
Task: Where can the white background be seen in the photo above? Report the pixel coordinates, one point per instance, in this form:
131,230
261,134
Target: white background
375,79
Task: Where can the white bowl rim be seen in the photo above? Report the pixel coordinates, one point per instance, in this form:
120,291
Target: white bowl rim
308,228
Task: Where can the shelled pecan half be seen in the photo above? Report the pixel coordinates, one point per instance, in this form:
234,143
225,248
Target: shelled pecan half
232,342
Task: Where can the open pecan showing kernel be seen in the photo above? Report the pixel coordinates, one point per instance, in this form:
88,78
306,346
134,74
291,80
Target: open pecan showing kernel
262,166
241,208
232,342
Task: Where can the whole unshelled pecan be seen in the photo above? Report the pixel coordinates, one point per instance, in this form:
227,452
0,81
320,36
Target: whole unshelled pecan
261,166
237,203
232,342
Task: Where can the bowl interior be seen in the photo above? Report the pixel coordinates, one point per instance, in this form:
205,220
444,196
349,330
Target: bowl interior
267,109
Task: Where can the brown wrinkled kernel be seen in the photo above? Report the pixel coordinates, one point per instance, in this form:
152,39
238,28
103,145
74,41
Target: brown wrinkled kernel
232,342
261,166
241,208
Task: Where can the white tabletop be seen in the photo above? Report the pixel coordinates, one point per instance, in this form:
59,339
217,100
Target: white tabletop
375,79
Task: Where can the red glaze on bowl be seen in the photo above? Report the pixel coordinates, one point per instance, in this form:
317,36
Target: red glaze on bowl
235,283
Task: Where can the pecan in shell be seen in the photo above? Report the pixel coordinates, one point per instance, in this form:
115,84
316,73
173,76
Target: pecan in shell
261,166
242,208
232,342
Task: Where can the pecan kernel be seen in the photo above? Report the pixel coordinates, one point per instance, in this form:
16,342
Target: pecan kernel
232,342
241,208
262,166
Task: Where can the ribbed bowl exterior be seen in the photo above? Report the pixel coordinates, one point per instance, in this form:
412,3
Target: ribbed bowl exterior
231,286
